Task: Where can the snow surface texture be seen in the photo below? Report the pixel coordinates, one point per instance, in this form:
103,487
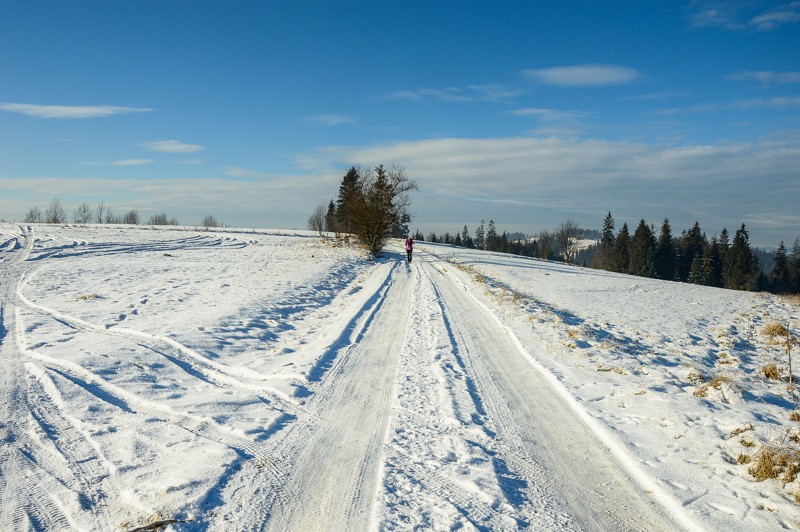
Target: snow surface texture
264,380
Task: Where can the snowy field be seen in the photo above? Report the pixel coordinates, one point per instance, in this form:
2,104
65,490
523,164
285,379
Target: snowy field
267,380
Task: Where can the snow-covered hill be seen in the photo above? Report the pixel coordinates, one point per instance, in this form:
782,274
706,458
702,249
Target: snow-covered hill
245,380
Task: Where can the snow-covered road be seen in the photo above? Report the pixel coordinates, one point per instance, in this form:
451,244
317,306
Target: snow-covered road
257,381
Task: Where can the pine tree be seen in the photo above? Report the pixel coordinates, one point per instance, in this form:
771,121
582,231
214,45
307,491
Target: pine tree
779,276
620,260
480,239
794,268
466,240
693,245
740,267
665,253
331,223
606,243
642,251
492,242
350,195
715,264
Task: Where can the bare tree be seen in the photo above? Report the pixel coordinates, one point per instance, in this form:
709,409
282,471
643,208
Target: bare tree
162,219
131,217
83,214
34,216
566,236
210,221
101,211
316,222
55,213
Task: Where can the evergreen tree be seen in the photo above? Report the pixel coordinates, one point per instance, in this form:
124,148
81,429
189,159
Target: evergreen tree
642,251
504,244
492,242
620,260
480,238
331,223
607,241
350,196
418,236
665,253
715,257
547,244
693,245
740,267
466,240
794,268
696,271
779,276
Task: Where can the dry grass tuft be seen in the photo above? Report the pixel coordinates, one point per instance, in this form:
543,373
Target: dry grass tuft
743,458
696,378
770,371
86,297
795,416
716,383
774,329
779,460
748,427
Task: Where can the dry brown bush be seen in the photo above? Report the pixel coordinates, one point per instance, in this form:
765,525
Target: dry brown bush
779,459
770,371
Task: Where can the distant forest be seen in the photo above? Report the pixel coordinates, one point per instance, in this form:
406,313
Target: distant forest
690,257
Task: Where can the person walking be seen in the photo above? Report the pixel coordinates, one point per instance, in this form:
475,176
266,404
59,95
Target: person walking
409,247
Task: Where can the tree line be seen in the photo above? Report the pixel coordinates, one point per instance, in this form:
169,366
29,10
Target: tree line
559,244
102,214
690,257
372,204
693,258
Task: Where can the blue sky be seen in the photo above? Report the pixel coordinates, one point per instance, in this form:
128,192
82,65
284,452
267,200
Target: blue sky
528,113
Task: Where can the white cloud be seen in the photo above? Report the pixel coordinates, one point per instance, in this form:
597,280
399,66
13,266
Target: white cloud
70,111
778,16
583,75
767,77
125,162
450,94
491,92
550,114
777,102
556,178
330,119
738,15
172,146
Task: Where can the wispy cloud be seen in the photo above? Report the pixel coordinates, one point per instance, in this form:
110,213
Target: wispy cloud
550,114
738,15
584,178
70,111
778,16
124,162
777,102
487,93
554,122
660,95
171,146
450,94
330,119
247,173
767,77
592,75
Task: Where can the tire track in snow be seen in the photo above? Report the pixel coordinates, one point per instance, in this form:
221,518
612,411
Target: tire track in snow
441,471
535,425
31,495
328,459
